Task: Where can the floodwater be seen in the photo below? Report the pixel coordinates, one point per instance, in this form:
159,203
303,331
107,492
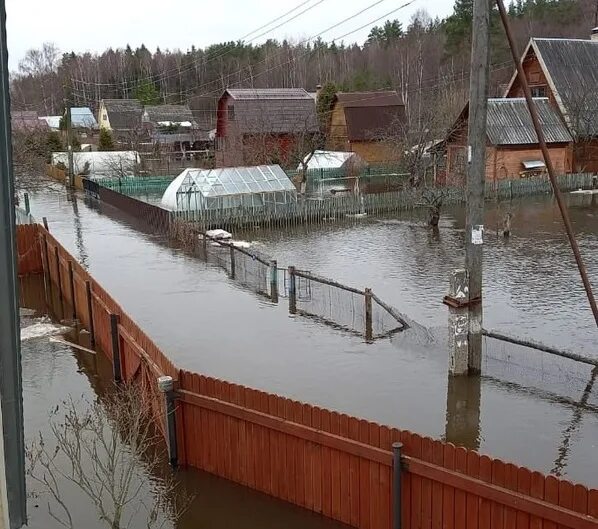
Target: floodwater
527,407
54,372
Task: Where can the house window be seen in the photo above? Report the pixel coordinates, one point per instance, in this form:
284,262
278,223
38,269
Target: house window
231,112
538,91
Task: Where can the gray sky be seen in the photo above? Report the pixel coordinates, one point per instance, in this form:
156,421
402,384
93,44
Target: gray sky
95,26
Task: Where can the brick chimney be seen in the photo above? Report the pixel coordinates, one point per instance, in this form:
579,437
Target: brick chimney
594,36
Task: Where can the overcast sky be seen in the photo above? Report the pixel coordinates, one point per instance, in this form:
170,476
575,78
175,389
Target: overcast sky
95,26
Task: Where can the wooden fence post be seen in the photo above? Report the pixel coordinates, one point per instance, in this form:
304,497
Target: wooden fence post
232,261
27,206
166,386
45,221
274,280
369,333
47,274
292,291
116,365
396,485
72,283
92,333
58,275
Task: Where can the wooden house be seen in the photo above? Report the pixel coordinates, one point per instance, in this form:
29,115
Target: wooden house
566,72
368,123
122,117
512,144
265,125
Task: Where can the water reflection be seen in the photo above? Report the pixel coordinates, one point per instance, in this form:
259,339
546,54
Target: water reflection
463,411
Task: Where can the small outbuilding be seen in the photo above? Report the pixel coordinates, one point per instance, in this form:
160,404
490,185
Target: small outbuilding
347,162
230,188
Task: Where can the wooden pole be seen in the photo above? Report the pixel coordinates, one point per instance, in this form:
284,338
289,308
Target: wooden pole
476,176
45,221
232,261
274,280
92,333
292,291
369,332
27,205
548,162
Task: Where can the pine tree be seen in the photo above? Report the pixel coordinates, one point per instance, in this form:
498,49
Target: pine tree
105,142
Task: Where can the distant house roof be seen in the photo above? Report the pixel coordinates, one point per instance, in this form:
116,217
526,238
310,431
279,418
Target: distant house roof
123,114
83,118
332,160
273,110
571,68
27,120
370,115
510,123
52,121
169,114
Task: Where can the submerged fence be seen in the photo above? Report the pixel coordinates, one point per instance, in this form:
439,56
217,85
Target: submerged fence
355,311
349,469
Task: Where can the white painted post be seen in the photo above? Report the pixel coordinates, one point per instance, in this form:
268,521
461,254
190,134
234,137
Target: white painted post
458,323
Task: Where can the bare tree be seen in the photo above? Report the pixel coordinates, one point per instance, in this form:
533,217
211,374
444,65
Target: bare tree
105,449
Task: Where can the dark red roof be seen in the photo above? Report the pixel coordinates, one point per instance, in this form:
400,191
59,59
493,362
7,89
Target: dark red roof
372,116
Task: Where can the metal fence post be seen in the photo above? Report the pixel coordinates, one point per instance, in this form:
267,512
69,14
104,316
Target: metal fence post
45,221
232,261
369,333
396,485
92,334
166,386
274,280
27,206
116,366
292,291
72,284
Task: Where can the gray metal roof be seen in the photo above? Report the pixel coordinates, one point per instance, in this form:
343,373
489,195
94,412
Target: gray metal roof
172,113
268,93
510,123
274,111
124,114
571,66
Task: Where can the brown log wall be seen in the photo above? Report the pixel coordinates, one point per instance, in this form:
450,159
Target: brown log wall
328,462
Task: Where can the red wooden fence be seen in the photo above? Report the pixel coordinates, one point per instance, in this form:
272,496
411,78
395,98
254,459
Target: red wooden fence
330,463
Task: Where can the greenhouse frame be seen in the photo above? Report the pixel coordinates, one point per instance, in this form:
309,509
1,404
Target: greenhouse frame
264,186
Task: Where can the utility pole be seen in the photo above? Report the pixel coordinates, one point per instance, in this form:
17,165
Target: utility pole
476,176
69,144
12,447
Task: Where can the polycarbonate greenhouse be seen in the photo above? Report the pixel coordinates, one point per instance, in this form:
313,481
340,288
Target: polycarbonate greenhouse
230,188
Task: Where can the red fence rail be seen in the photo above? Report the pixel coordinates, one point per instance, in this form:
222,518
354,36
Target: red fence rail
328,462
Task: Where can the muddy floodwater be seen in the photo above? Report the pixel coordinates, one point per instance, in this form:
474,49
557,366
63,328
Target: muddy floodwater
527,407
54,372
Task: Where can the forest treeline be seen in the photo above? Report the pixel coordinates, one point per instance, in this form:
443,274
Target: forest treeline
426,60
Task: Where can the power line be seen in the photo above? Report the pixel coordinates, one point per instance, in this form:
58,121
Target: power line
164,75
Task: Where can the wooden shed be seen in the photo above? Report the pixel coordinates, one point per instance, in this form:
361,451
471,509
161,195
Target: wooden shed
367,123
512,149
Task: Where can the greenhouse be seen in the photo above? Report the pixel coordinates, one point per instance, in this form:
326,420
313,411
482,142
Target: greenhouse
230,188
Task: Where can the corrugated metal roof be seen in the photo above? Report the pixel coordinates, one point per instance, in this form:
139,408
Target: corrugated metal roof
172,113
388,98
268,93
510,123
274,111
572,68
124,114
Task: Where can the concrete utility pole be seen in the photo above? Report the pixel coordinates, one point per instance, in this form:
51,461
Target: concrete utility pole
12,449
476,176
69,143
